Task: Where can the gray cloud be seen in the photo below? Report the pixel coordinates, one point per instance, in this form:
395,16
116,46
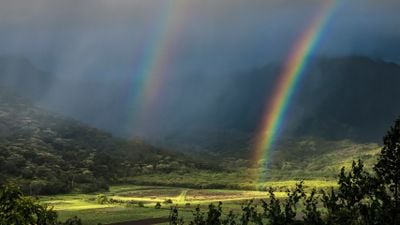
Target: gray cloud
222,32
83,41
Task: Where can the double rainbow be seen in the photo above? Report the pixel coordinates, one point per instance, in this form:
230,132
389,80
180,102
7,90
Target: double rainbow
157,54
289,78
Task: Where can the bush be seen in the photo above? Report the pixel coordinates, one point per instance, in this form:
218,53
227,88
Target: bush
102,199
168,201
73,221
15,208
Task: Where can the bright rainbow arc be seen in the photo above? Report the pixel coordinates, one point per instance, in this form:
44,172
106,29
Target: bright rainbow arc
290,76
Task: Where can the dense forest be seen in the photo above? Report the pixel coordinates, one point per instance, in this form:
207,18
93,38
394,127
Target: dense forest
46,153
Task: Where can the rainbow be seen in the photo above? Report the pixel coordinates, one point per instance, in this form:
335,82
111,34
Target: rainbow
153,61
288,80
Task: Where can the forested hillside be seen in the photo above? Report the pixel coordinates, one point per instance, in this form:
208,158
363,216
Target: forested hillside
47,153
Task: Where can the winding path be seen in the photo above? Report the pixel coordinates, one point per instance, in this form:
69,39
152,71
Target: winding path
182,196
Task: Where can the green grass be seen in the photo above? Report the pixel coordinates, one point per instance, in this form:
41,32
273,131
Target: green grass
114,214
299,159
86,207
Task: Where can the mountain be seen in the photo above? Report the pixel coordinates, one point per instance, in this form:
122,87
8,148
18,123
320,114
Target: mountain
337,98
311,157
47,153
344,97
354,97
340,98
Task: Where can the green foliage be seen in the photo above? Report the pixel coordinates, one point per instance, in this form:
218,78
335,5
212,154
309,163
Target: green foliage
312,216
15,208
45,153
73,221
102,199
388,173
388,166
168,201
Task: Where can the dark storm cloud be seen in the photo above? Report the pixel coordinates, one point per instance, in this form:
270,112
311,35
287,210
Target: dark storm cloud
87,43
217,33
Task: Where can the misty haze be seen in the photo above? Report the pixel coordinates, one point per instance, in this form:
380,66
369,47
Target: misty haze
181,111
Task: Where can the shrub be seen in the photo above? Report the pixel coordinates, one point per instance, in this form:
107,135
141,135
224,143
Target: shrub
15,208
168,201
73,221
102,199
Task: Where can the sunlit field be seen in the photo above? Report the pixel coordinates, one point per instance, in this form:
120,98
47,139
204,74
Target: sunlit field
133,202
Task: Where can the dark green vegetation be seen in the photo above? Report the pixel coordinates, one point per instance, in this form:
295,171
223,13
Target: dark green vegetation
45,153
308,158
362,198
15,208
317,158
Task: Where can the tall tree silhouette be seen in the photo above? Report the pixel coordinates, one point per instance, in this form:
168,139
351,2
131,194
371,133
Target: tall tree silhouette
388,165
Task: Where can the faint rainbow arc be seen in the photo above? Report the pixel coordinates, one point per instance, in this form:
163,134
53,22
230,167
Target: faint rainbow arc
154,60
288,79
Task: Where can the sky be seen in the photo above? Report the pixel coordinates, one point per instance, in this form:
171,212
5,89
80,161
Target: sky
107,49
103,38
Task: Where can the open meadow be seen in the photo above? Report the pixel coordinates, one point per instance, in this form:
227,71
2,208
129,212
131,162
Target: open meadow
133,202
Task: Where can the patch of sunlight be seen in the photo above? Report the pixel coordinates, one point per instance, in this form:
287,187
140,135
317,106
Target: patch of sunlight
307,183
140,199
74,205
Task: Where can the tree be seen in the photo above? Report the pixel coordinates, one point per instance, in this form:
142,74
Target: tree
18,209
388,165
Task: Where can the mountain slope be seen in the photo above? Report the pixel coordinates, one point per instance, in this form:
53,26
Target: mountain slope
48,153
340,98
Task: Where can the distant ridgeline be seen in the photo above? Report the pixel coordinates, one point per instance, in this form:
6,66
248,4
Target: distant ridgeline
338,98
46,153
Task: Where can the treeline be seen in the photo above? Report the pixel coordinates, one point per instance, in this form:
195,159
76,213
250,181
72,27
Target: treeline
362,198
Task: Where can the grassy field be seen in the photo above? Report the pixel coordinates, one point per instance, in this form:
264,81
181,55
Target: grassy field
133,202
300,159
